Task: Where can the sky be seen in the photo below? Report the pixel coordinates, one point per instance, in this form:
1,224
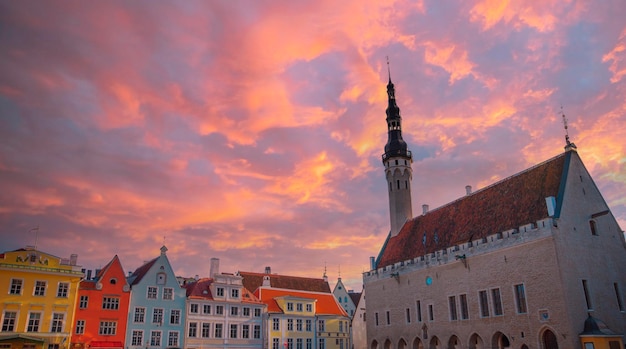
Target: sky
252,131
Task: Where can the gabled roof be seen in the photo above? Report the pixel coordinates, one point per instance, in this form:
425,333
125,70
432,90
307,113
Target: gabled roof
507,204
201,289
325,304
252,281
140,272
355,296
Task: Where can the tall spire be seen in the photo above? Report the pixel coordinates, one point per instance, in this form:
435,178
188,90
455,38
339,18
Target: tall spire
397,160
396,146
568,145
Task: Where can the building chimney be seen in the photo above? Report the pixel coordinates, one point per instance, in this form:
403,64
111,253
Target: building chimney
215,267
424,209
372,263
268,270
89,274
468,189
73,259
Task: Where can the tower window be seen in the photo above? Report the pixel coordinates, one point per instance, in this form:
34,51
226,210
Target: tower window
390,186
396,162
587,296
398,183
406,184
593,226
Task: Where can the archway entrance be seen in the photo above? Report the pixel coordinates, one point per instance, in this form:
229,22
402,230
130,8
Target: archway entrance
500,341
454,342
548,340
476,342
417,344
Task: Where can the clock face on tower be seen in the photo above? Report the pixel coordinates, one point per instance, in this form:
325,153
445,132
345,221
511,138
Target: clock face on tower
429,281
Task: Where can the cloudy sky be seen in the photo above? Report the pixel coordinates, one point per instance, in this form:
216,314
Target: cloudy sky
252,131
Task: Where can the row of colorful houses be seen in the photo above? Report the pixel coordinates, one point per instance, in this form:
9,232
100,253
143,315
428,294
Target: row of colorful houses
51,303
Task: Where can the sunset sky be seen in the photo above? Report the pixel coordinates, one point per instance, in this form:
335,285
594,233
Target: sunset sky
252,131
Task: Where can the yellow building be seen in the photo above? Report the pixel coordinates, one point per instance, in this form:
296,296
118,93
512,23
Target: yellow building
302,313
37,298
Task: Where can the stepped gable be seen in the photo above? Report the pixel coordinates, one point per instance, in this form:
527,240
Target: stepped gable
253,281
507,204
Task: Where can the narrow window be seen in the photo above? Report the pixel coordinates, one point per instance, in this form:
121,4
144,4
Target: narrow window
408,315
618,295
520,298
593,226
464,309
376,318
192,331
398,183
587,297
419,311
452,306
484,303
497,301
388,318
206,330
431,313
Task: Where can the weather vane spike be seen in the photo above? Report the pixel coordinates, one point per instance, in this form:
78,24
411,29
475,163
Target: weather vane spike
388,69
565,125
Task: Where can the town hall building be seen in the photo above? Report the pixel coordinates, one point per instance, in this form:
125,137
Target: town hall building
533,261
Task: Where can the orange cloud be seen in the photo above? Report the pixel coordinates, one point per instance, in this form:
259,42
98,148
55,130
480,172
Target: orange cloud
617,57
450,57
542,15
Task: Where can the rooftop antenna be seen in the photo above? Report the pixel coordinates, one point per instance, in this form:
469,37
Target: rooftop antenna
339,271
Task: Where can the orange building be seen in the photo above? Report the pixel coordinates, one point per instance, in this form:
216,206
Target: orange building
102,309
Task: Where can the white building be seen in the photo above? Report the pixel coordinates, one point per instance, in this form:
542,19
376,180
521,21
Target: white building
533,261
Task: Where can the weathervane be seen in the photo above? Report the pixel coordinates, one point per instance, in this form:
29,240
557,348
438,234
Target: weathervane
568,144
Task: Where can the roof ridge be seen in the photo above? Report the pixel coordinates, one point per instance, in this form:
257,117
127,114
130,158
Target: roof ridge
496,183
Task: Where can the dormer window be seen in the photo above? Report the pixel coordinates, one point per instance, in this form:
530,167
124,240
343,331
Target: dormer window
161,278
220,291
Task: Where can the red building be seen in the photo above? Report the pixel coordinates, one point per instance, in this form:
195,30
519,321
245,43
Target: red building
102,309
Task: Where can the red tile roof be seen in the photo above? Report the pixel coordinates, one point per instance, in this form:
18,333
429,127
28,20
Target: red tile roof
252,281
508,204
201,289
326,303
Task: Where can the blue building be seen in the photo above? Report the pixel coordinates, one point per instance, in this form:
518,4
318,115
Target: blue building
157,306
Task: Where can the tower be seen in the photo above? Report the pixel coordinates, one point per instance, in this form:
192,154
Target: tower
397,160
